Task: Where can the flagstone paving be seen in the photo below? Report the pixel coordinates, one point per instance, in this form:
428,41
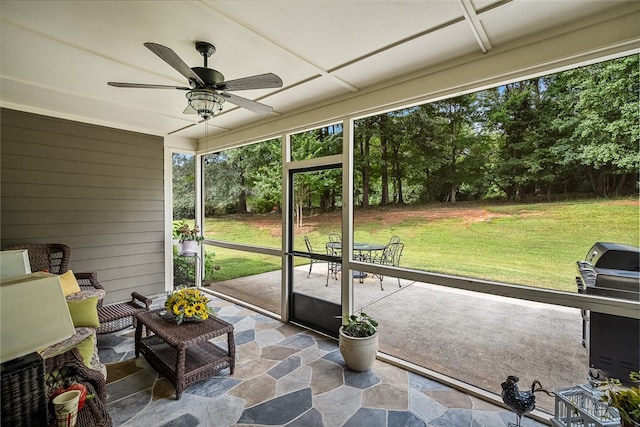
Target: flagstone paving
285,376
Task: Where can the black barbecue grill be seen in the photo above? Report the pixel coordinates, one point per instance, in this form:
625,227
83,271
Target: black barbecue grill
613,342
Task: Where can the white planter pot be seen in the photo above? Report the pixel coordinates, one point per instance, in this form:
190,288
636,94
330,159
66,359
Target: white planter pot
358,353
189,247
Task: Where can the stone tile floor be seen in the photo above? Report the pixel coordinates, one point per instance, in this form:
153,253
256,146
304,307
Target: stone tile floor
285,376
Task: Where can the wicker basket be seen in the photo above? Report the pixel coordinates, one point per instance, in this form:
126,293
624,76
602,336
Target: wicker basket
24,400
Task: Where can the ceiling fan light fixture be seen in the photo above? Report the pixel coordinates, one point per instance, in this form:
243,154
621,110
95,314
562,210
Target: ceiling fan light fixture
207,103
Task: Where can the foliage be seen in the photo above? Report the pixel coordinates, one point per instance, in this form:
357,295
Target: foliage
596,121
188,303
575,131
625,399
244,179
183,232
184,268
359,326
184,191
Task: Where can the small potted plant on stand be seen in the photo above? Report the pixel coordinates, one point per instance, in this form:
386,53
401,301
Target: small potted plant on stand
189,238
359,341
625,399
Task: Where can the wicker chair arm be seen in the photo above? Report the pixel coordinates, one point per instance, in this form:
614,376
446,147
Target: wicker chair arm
137,296
72,360
89,281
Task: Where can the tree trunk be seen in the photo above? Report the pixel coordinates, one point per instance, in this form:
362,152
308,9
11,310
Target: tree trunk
621,180
397,169
366,170
242,202
384,173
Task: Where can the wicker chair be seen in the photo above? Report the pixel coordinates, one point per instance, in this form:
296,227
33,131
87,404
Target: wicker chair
51,257
67,368
54,258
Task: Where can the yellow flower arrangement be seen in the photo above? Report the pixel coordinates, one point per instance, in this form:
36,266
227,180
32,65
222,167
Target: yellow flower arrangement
188,304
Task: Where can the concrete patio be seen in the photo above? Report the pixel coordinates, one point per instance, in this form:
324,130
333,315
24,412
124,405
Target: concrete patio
285,376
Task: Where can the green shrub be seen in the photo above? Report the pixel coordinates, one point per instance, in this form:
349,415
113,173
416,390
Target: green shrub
184,273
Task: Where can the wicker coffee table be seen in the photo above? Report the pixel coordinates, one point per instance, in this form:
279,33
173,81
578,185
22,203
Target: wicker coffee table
183,352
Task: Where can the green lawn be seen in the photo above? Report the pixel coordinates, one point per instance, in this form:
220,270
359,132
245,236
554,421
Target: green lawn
530,244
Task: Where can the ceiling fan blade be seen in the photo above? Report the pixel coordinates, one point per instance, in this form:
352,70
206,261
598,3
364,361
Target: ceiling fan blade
261,81
254,106
171,58
146,86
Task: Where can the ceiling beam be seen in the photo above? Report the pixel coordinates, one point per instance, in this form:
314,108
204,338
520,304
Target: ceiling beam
587,41
475,25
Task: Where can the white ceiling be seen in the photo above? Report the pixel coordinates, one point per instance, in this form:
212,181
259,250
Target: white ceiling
58,55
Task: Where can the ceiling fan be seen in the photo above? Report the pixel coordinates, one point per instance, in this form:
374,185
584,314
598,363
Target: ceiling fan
207,89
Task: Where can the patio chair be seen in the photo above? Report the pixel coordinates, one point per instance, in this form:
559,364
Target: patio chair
333,268
54,258
50,257
335,237
394,239
310,250
390,256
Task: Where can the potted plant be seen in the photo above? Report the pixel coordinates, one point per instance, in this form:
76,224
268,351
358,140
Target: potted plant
188,237
187,305
358,339
625,399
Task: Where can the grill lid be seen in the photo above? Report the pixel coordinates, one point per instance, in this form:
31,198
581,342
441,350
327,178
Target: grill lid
614,256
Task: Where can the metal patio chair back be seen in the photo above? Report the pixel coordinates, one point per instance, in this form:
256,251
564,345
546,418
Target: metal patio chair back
333,267
391,257
312,261
335,237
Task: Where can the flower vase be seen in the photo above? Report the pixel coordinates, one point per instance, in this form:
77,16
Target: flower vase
189,247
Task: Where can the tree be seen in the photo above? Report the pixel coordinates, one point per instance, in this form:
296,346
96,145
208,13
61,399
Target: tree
457,115
573,131
244,176
183,186
597,117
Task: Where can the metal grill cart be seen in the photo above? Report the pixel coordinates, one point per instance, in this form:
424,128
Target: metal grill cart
613,342
581,406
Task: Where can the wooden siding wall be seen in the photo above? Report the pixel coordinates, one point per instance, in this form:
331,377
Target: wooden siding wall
97,189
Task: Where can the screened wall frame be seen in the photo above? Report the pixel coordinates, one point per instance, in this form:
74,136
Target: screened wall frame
595,303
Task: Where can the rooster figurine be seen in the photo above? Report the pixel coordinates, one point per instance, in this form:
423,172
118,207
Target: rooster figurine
520,402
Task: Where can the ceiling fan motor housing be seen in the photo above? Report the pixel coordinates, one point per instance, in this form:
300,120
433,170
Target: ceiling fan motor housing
209,76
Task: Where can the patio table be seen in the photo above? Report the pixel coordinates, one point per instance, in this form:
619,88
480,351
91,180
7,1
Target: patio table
363,251
183,353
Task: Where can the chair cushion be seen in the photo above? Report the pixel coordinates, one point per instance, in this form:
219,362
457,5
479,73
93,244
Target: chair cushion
98,293
84,312
85,348
65,345
69,283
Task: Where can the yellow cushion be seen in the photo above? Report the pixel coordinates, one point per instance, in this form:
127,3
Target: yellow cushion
69,283
84,312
